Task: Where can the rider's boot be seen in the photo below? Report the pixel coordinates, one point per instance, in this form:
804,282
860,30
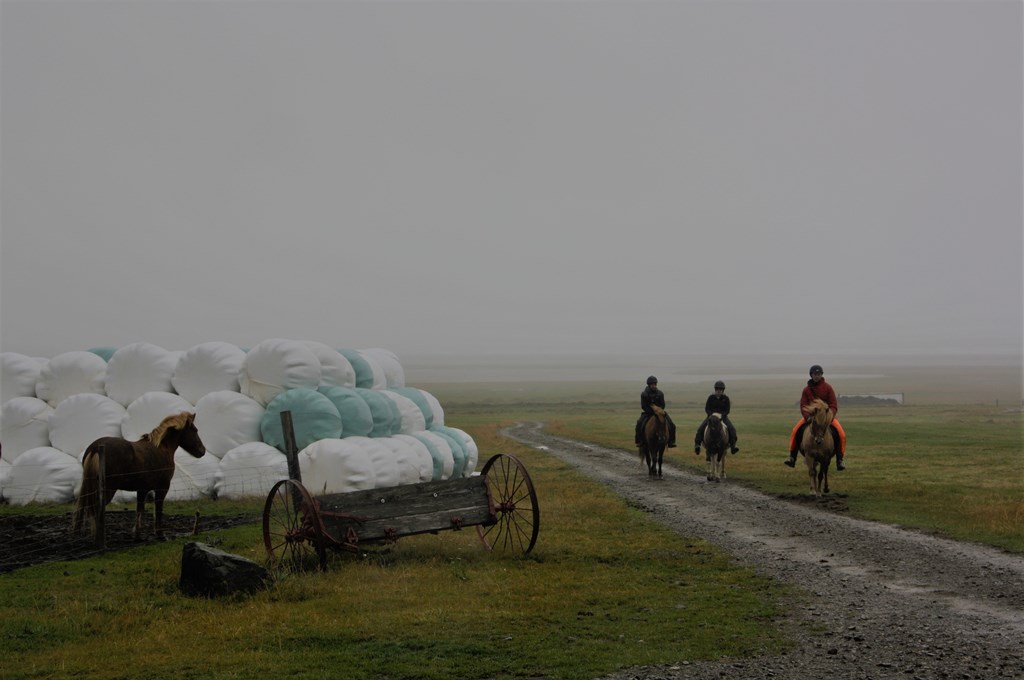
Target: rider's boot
839,462
791,462
696,449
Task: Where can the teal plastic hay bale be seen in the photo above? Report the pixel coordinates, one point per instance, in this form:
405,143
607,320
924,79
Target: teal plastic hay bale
458,449
314,417
387,420
365,376
356,417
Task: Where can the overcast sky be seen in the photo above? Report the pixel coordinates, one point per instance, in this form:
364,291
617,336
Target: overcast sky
538,177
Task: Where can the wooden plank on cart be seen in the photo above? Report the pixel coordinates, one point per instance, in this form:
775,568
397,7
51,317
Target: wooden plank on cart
387,514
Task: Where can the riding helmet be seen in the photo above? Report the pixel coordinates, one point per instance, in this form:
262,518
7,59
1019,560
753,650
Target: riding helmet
816,369
719,385
651,380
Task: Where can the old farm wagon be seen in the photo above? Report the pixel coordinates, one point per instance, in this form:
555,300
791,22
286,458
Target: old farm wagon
299,528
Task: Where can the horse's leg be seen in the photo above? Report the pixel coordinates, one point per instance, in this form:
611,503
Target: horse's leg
159,496
140,510
824,476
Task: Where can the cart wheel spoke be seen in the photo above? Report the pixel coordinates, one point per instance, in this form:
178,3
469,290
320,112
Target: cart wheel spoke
292,532
515,506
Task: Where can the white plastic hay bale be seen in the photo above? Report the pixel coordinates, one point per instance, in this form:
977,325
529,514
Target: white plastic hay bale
472,451
383,460
410,468
193,477
458,450
81,419
369,374
440,452
335,369
276,365
71,373
411,417
356,417
387,420
207,367
138,368
434,405
18,376
43,475
336,466
24,425
144,414
226,420
419,397
422,461
313,417
250,470
394,374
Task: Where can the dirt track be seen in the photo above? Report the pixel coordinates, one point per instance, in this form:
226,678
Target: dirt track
883,602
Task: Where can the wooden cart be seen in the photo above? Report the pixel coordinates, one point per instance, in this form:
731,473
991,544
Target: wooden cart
299,529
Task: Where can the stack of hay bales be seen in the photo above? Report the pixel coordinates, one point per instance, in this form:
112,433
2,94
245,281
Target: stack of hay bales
356,424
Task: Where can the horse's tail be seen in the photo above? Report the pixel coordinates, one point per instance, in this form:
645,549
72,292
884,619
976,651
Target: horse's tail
89,502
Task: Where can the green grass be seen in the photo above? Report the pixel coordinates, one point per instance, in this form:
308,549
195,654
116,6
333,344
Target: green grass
605,587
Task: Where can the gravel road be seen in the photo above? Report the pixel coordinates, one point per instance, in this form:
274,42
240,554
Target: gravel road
884,602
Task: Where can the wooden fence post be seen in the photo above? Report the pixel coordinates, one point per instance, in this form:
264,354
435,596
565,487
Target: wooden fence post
101,488
292,454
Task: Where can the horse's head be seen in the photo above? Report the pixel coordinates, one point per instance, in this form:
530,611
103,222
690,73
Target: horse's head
820,418
181,426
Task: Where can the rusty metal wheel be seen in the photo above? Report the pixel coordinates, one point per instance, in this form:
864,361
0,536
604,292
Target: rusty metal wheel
292,531
514,503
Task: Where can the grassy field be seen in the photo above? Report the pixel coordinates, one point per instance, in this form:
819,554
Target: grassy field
605,587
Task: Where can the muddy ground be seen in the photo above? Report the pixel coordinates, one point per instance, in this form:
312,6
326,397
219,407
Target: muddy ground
26,540
877,601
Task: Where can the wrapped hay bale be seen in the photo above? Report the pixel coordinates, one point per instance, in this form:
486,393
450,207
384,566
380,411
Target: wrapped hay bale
18,376
386,418
356,417
138,368
43,475
81,419
226,420
394,374
369,374
440,452
336,466
145,413
207,367
410,417
459,456
24,425
71,373
314,417
382,459
335,369
249,470
276,365
411,465
193,477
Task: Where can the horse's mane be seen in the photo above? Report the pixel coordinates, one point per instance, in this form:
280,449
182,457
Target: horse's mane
177,421
820,411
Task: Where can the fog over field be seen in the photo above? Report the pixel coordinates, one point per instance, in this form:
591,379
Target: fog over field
752,178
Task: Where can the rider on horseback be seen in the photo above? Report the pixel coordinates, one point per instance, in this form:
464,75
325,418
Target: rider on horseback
817,388
652,395
717,403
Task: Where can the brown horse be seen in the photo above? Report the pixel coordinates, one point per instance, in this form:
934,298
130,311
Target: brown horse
818,446
655,438
716,443
142,466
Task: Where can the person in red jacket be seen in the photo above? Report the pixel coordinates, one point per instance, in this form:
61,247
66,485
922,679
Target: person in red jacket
817,388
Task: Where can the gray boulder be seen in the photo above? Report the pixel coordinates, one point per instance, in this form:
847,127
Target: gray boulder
210,572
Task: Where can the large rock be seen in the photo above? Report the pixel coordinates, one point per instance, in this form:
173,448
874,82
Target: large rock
212,573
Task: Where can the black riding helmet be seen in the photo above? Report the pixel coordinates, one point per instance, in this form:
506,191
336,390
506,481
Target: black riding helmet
816,369
651,380
719,385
